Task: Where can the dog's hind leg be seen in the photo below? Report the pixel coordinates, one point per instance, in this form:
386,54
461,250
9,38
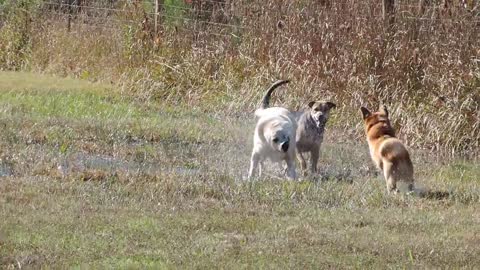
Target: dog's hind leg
407,169
389,177
303,163
315,155
410,187
410,182
254,162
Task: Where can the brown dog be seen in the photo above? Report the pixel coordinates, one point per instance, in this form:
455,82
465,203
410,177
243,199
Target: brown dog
387,152
311,127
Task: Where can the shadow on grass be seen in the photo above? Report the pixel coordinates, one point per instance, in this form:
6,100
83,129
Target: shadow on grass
434,194
338,175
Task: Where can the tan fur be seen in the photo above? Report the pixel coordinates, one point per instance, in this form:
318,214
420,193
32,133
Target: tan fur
388,153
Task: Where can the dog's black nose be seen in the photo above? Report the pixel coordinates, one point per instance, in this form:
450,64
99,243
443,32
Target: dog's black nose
285,146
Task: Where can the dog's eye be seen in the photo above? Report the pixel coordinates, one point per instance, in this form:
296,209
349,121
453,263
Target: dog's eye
275,140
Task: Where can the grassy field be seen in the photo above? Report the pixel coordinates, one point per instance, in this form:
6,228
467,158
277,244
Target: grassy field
91,179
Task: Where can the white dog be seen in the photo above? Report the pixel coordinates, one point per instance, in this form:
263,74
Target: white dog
274,136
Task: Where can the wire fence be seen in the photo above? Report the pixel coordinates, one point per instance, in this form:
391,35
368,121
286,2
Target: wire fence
180,15
222,17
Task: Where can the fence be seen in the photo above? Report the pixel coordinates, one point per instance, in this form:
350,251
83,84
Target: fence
226,18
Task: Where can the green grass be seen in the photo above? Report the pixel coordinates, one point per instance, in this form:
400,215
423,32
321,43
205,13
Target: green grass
96,180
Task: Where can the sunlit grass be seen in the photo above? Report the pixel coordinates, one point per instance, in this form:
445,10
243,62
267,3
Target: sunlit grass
95,180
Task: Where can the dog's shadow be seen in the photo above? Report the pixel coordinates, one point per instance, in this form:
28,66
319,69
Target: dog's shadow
433,194
344,176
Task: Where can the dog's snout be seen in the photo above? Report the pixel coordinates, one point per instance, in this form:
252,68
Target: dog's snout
285,146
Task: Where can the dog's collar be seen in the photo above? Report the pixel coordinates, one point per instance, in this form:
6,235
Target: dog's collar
322,120
390,131
376,123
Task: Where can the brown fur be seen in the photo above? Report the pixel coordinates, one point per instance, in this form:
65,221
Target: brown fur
388,153
311,127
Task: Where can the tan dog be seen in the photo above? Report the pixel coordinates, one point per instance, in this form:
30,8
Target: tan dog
387,152
311,127
274,137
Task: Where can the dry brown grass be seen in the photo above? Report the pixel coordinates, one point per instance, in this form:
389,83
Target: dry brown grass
427,69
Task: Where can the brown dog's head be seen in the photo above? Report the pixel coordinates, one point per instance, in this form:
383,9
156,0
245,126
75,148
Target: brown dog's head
319,110
377,122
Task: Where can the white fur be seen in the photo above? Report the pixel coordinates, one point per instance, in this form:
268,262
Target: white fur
279,124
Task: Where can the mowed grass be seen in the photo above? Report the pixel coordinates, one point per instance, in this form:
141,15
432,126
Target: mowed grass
91,179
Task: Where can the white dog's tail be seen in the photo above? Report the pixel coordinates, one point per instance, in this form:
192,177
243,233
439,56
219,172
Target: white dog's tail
266,99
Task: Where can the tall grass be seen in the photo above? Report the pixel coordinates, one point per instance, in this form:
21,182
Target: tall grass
221,55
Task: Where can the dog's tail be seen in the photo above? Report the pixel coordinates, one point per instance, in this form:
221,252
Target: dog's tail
266,99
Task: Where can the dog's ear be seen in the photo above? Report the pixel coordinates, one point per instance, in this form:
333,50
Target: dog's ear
310,104
383,110
365,112
331,105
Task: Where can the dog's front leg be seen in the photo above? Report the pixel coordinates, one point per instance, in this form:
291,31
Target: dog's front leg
315,155
260,168
291,173
255,159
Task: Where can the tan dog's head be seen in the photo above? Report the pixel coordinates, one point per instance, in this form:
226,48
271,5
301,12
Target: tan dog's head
279,137
320,110
377,123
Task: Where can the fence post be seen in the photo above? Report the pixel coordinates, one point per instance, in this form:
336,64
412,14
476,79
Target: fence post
156,16
69,17
388,12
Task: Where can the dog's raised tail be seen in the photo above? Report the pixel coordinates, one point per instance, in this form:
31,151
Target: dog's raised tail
266,99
